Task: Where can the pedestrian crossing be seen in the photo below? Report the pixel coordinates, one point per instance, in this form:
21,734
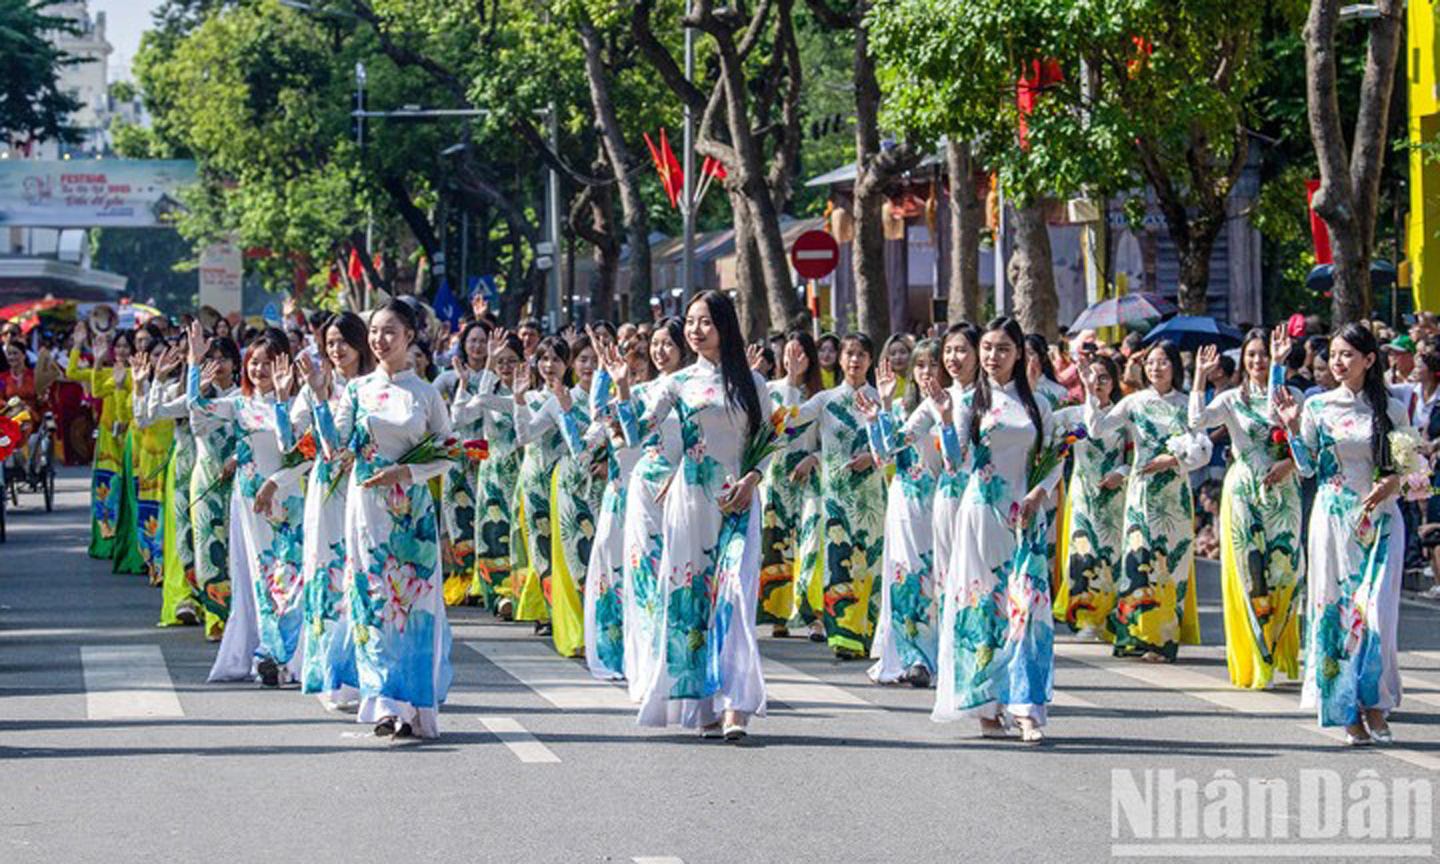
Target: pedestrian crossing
132,681
125,682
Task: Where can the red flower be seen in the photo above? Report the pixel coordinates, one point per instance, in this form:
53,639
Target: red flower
10,437
1279,436
477,449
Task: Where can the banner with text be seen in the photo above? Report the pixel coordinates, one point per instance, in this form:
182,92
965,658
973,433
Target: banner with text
222,271
101,193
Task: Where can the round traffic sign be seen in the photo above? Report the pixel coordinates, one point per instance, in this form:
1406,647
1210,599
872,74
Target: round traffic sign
815,254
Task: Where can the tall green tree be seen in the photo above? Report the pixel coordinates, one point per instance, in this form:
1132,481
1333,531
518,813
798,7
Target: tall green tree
32,106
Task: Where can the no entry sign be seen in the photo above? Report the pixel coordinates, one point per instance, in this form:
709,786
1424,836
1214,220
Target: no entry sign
814,255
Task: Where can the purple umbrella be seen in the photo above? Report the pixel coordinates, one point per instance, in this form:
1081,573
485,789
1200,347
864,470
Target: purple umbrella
1121,311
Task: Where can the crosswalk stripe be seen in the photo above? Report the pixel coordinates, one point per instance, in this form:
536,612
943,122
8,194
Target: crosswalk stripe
659,860
1066,699
1218,691
565,685
518,740
802,691
127,682
1166,676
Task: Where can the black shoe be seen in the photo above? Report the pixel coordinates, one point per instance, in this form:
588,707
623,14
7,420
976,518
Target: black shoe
269,673
846,654
918,676
543,628
385,728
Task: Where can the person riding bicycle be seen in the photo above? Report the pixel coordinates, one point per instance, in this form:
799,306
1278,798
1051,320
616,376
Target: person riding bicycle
22,399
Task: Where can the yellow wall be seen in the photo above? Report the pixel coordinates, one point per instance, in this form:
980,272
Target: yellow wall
1423,235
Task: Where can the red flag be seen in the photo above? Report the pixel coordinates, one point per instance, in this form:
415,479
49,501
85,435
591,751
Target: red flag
669,178
1318,230
357,269
673,171
1040,75
713,168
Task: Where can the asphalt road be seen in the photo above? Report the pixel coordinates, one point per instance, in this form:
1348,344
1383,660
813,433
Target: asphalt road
539,763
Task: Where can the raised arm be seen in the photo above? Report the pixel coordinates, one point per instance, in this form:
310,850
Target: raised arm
1201,415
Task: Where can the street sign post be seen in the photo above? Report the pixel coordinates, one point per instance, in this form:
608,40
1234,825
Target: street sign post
815,255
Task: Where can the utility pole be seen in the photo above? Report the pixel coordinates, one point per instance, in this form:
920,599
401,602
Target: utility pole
687,211
552,198
360,114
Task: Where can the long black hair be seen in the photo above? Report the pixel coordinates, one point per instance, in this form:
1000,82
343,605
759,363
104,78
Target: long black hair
926,349
970,333
353,330
483,327
812,383
275,343
560,348
1256,334
1113,371
675,329
1376,393
735,371
1036,346
1177,366
1011,328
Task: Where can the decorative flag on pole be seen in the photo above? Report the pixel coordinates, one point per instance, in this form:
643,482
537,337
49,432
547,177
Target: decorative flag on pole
1319,231
672,177
1040,75
356,268
710,171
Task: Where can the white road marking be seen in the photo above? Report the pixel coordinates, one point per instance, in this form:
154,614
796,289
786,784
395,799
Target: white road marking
1066,699
802,691
659,860
519,741
1166,676
564,684
1218,691
127,682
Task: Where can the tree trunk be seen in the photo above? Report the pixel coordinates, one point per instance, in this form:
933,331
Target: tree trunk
872,313
1350,183
1194,255
591,218
751,297
1031,272
965,221
872,295
632,207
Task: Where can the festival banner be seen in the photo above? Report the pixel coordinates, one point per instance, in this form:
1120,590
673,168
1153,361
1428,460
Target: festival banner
99,193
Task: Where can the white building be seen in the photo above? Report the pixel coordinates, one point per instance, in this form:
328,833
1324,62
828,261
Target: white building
88,81
38,261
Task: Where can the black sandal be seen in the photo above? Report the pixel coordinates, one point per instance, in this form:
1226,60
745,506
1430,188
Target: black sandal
385,728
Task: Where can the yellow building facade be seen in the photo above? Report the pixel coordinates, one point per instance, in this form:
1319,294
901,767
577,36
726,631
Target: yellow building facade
1423,234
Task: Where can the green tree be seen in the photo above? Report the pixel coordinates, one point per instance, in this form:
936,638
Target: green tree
1159,91
31,103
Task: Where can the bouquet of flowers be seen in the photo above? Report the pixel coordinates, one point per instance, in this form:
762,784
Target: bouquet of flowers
1279,443
1189,448
432,448
1412,467
1048,458
302,452
769,438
